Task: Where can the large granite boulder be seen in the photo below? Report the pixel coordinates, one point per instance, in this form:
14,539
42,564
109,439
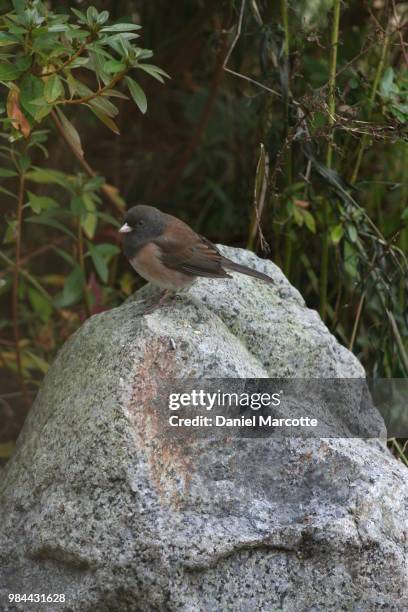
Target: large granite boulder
100,504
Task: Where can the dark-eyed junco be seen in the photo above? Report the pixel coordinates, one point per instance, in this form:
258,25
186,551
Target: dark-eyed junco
167,252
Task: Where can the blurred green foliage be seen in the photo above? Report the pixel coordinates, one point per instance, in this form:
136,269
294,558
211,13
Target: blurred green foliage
263,137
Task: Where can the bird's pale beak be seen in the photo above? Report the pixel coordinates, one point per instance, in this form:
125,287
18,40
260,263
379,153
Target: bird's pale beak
125,228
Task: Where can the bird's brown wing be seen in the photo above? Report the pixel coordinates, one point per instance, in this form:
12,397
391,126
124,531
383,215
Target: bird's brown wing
185,251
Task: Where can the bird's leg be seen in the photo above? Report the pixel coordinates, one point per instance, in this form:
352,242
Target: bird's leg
162,297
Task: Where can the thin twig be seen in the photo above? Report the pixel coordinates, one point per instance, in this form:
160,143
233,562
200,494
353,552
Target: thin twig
371,100
399,450
253,81
43,249
230,50
401,37
331,112
81,261
36,253
16,282
398,339
95,94
70,59
355,58
357,320
237,34
288,171
107,190
260,190
12,265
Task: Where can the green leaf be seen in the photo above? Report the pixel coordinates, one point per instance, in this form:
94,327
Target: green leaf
59,27
24,62
80,15
298,216
121,27
90,220
114,66
404,215
97,62
106,120
337,233
10,235
108,218
50,222
144,53
53,88
96,48
99,263
400,111
78,206
115,94
15,29
104,105
40,304
71,133
290,207
46,176
31,88
79,35
24,162
387,82
83,89
126,283
121,38
19,5
73,289
403,108
103,17
8,193
39,203
72,85
38,101
7,39
137,94
35,362
45,44
94,183
5,173
154,71
9,72
351,260
65,256
309,221
352,233
107,250
42,112
92,15
79,62
7,449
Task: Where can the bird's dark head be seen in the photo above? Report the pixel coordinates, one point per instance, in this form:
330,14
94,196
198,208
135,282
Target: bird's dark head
141,224
145,220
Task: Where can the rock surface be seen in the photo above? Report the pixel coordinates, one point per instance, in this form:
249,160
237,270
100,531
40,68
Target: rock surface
99,504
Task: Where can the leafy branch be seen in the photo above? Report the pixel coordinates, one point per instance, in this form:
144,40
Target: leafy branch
43,55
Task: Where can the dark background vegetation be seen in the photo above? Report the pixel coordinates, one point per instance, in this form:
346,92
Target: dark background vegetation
300,155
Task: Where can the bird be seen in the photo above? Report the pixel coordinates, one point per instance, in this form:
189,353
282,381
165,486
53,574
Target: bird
170,254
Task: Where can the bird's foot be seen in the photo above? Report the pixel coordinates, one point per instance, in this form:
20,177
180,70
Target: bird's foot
162,297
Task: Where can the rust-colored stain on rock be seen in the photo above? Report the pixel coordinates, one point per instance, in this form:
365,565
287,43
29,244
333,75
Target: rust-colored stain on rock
170,458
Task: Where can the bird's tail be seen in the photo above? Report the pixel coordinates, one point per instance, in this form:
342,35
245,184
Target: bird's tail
231,265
